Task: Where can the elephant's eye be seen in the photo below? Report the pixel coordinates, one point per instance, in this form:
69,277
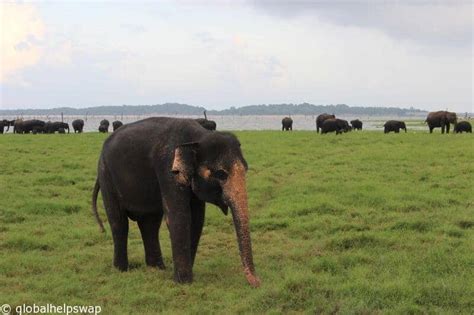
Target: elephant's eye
220,174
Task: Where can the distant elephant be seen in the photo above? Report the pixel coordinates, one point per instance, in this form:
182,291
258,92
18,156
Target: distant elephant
117,124
105,122
207,124
27,126
78,125
104,128
52,127
321,118
356,124
463,126
172,167
287,124
5,123
395,126
61,130
334,124
441,119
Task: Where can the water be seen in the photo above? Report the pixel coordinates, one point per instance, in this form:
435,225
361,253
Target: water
270,122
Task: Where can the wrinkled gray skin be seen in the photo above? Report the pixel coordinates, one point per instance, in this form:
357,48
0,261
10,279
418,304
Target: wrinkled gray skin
395,126
463,126
287,124
442,119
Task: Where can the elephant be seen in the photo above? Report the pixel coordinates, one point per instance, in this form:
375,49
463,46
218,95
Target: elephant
104,128
356,124
334,124
321,118
117,124
172,167
441,119
52,127
27,126
5,123
463,126
394,125
78,125
105,122
287,124
61,130
207,124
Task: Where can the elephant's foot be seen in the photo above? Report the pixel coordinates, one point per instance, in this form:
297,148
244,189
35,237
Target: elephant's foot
121,264
183,277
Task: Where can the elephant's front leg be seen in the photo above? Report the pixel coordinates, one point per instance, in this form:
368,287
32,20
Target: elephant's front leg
198,210
179,225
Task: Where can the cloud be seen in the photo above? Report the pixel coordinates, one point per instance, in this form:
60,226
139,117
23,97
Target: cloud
22,32
425,21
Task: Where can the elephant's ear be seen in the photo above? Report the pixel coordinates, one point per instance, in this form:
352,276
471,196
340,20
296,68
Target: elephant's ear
184,162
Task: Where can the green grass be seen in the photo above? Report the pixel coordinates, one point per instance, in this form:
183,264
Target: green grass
360,223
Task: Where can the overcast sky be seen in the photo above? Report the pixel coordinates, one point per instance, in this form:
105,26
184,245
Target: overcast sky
219,54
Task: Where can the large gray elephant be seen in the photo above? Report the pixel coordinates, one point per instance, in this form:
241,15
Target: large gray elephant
321,118
172,167
441,119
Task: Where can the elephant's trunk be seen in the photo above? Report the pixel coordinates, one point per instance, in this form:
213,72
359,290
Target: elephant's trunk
235,194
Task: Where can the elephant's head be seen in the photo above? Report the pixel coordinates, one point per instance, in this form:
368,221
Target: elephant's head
451,117
214,168
403,126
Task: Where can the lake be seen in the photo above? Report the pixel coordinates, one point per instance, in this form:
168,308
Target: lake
268,122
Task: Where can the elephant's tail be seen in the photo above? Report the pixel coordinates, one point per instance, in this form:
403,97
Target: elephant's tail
95,193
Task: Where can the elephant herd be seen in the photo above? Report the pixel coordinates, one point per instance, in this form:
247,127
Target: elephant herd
329,123
35,126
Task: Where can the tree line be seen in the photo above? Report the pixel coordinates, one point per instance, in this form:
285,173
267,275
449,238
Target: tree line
184,109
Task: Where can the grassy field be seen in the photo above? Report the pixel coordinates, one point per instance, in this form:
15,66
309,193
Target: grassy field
362,223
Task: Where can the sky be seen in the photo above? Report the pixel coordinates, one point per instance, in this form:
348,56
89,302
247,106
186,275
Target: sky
219,54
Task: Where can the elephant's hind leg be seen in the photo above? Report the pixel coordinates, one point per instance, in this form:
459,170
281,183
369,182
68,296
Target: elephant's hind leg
118,221
149,228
